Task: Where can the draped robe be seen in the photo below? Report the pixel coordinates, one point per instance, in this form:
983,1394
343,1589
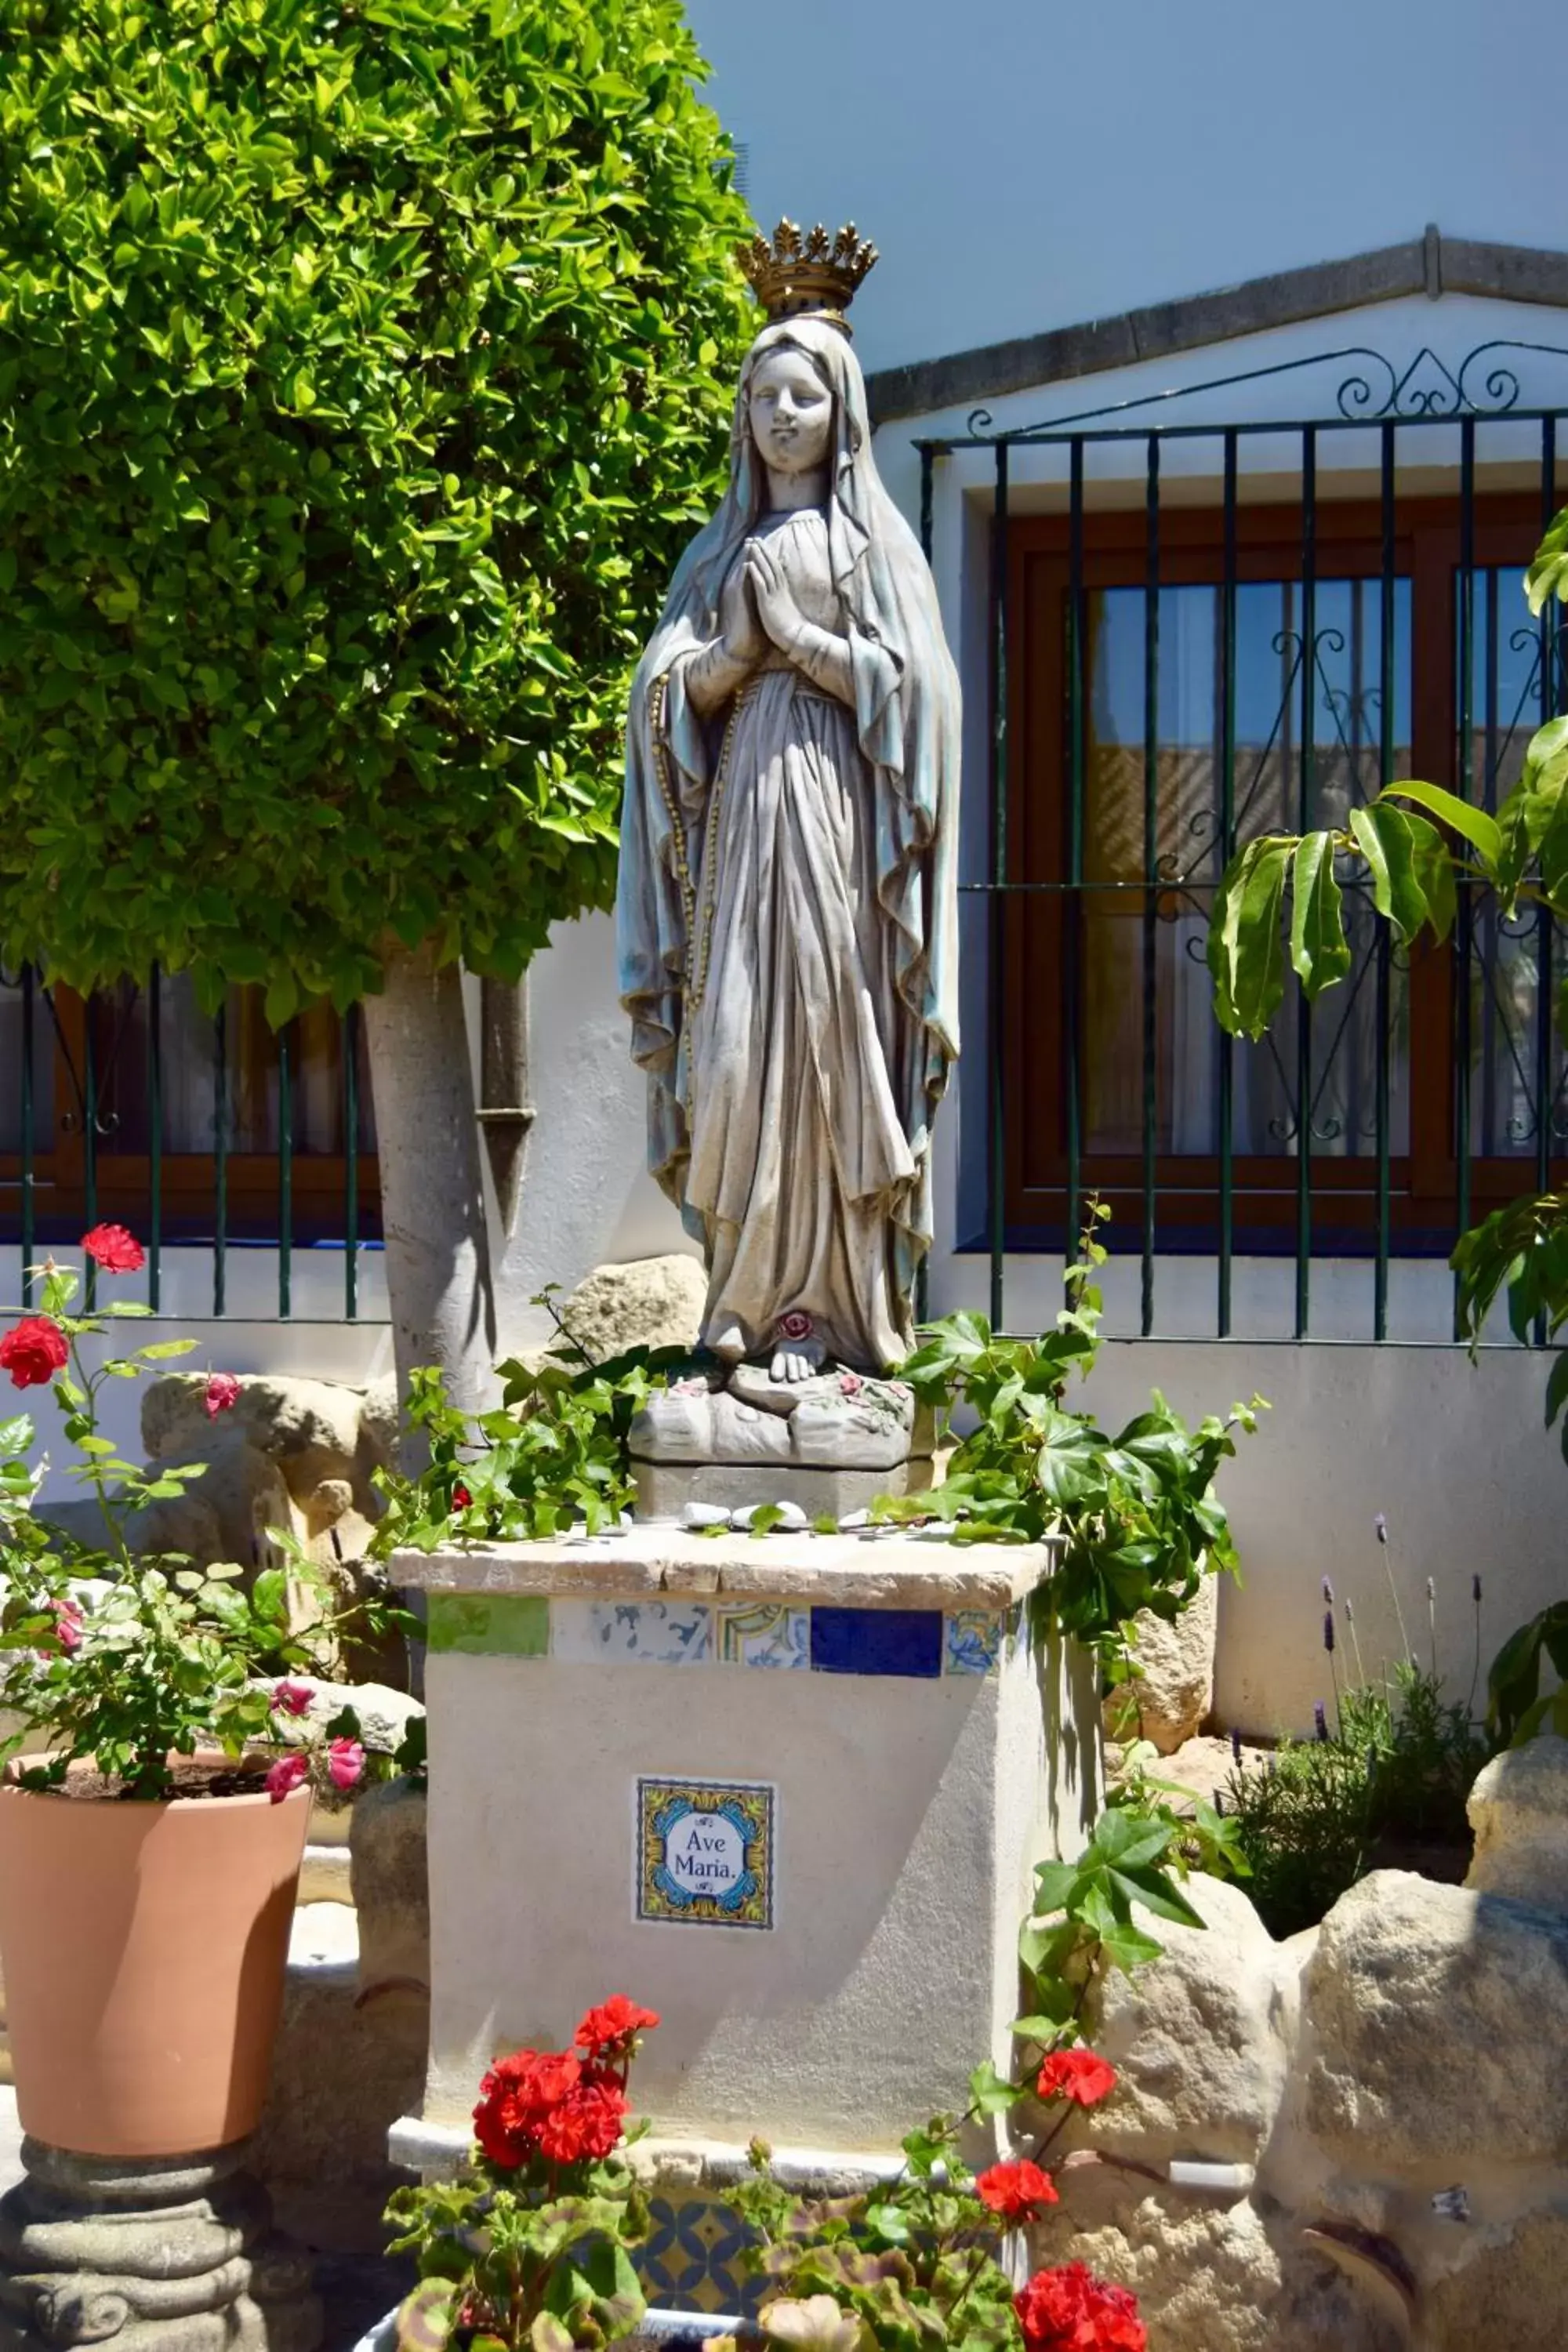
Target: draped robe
786,911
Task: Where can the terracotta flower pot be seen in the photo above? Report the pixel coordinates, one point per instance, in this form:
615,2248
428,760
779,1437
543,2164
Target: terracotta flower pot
142,1948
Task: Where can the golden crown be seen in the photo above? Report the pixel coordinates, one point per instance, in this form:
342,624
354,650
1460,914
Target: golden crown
807,272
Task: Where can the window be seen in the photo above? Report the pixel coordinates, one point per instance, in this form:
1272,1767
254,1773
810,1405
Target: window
253,1131
1110,958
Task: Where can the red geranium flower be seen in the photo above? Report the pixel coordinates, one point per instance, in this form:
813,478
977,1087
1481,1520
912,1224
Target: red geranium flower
587,2125
114,1249
550,2104
33,1352
221,1395
1076,2074
1018,2192
1071,2310
614,2022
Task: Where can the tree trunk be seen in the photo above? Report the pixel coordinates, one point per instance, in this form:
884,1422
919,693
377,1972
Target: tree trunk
432,1192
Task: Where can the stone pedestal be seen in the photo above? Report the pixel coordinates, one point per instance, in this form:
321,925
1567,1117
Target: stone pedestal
788,1790
148,2254
831,1443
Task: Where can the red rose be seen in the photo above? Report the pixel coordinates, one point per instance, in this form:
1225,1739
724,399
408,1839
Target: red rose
794,1324
292,1698
461,1499
586,2124
1017,2191
286,1775
1071,2310
222,1394
1076,2075
115,1250
33,1352
68,1624
614,2022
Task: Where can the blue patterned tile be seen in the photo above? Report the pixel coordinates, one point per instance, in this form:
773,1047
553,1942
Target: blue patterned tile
877,1642
693,2259
768,1634
971,1642
644,1632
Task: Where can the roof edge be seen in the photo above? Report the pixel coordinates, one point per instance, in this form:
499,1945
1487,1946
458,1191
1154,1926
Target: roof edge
1431,263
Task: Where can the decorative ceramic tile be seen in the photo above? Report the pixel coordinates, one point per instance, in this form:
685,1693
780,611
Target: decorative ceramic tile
769,1634
693,2259
649,1633
971,1642
490,1625
705,1853
877,1642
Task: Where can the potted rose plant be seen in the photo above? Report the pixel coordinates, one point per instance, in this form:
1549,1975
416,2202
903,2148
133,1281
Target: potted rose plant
149,1839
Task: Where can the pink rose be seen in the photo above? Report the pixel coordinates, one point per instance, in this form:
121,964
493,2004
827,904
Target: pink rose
291,1699
850,1384
222,1394
67,1625
345,1762
286,1775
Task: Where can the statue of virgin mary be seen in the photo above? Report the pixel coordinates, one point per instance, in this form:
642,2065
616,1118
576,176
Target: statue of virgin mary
786,913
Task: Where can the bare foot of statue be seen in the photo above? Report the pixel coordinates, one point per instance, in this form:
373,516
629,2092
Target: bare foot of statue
797,1351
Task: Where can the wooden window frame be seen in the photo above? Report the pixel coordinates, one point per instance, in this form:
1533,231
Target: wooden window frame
1424,1192
188,1179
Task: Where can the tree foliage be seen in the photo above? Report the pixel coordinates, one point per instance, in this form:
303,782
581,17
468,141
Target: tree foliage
363,369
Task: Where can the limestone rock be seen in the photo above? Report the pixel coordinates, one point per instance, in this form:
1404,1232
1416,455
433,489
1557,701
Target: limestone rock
647,1302
692,1423
1518,1812
391,1887
1173,1691
1202,2037
1209,2279
1439,2022
1513,2292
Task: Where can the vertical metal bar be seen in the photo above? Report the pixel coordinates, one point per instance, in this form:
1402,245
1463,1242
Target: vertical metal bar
154,1138
286,1169
1544,939
350,1173
89,1146
999,1203
1072,928
1387,682
1227,851
1463,928
1304,814
922,1271
220,1158
1150,866
29,986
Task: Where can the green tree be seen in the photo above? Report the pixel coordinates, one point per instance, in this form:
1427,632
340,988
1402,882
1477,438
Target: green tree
364,366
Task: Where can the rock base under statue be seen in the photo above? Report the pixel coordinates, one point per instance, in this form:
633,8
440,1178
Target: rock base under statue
148,2254
831,1443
